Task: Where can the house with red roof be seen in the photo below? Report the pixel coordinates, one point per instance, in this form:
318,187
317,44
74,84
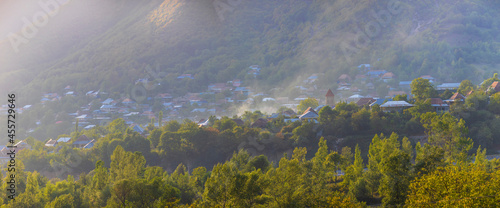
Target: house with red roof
438,105
309,114
388,76
365,101
344,78
494,87
455,98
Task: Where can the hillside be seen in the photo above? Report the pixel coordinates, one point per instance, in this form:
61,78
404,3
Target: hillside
450,40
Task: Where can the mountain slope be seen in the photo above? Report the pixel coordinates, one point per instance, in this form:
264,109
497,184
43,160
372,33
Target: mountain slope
451,40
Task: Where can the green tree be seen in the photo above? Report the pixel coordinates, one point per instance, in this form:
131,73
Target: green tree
160,119
218,186
117,126
487,83
63,201
465,87
396,178
494,104
354,171
402,97
428,158
455,186
422,89
309,102
125,165
361,120
448,133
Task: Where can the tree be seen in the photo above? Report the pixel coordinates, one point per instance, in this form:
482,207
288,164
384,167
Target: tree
303,133
402,97
361,120
218,185
125,165
477,101
396,178
494,105
465,87
172,126
448,133
422,89
487,83
455,186
63,201
354,171
327,118
117,126
309,102
160,119
428,158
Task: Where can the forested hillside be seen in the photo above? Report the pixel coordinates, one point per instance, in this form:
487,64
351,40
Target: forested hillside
451,40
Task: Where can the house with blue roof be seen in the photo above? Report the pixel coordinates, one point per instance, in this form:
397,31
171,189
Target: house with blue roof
137,128
242,90
366,67
81,141
309,114
375,73
108,101
64,139
380,101
89,145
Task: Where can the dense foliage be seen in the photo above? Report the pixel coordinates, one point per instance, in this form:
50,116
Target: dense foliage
250,164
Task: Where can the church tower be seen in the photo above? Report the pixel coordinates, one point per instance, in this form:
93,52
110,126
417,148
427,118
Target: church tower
330,101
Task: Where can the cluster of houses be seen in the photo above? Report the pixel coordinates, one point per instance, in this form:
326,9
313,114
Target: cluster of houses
219,96
190,105
82,142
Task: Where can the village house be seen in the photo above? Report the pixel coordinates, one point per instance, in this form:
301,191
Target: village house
375,73
380,101
254,70
22,145
364,67
395,106
238,121
494,87
203,122
428,77
108,108
455,98
237,83
388,77
92,94
438,105
242,90
63,139
311,79
218,87
354,98
137,128
259,123
344,78
89,145
108,101
309,114
447,86
365,101
81,141
51,143
405,84
183,76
